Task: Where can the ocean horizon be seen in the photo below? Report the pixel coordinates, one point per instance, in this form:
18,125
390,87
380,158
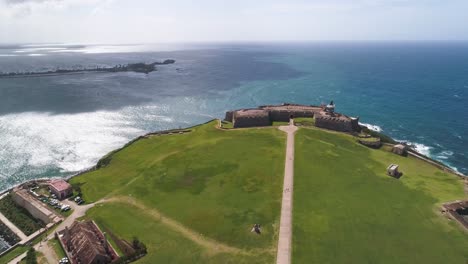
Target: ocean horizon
56,126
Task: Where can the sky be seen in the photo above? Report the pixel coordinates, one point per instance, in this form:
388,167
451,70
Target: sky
157,21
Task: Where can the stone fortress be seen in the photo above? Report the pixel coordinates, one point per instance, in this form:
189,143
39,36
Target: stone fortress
324,116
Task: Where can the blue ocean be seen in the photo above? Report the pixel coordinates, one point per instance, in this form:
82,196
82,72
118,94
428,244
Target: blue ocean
56,126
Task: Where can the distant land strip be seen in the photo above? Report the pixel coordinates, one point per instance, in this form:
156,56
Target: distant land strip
131,67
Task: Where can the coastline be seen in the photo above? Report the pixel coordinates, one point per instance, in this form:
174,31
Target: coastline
413,152
131,67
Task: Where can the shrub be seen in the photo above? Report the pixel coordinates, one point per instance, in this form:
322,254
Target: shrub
31,257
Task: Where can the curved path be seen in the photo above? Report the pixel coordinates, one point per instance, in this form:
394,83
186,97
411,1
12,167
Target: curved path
285,232
213,247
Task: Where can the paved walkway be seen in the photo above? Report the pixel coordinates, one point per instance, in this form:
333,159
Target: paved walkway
285,232
12,227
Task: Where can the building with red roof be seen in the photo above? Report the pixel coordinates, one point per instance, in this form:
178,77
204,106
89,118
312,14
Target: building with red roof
60,188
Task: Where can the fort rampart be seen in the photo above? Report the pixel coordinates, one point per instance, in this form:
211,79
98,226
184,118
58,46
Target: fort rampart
34,207
265,115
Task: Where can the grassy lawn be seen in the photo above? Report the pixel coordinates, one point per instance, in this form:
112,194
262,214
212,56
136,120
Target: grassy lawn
55,244
368,139
347,210
279,123
226,124
13,254
304,121
165,245
215,183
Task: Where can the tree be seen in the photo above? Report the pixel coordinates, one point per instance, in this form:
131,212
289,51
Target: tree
139,246
31,256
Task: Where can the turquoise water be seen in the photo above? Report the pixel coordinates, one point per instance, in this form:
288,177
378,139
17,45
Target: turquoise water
56,126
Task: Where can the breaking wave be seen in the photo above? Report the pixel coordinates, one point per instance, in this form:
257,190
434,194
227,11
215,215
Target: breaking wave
371,127
420,148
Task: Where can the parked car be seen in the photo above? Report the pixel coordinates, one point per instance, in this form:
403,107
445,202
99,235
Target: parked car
78,200
65,207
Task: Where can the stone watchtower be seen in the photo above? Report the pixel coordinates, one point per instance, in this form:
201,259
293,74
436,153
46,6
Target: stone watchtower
330,108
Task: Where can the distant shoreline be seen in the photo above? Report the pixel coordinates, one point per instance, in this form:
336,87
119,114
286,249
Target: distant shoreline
132,67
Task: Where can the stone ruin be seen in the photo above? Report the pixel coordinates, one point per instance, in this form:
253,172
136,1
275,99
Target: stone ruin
400,149
325,116
392,170
458,210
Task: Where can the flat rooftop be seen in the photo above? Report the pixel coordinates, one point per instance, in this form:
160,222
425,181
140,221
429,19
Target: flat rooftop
335,116
289,107
38,205
60,185
251,112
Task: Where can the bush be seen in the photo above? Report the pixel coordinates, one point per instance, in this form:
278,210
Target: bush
31,257
139,251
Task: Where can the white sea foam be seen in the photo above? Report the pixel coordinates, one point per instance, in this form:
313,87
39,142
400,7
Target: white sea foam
423,149
420,148
371,127
69,142
37,144
444,155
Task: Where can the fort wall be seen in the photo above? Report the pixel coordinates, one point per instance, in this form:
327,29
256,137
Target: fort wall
251,118
334,123
355,124
229,116
23,199
265,115
285,115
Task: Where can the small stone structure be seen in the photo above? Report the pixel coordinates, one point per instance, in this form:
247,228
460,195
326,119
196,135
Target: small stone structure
33,206
60,188
374,143
459,211
392,170
399,149
84,243
325,116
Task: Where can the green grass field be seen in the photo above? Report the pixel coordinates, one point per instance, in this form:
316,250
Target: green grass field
347,210
192,198
13,254
55,245
304,121
209,183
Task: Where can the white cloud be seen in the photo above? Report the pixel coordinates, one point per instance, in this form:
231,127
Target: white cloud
130,21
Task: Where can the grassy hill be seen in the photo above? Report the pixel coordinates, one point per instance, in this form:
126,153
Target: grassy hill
208,186
347,210
192,198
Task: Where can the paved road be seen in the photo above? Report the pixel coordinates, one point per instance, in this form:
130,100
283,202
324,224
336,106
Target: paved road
285,232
